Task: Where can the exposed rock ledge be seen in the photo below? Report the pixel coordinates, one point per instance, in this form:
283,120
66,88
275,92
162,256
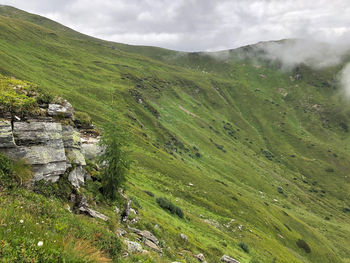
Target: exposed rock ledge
49,146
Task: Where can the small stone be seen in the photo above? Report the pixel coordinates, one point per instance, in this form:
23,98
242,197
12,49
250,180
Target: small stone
184,237
201,257
121,232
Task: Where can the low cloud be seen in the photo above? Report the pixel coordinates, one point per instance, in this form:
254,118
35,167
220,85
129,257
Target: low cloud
345,79
312,53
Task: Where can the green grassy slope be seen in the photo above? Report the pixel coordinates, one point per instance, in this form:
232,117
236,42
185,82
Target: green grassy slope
267,155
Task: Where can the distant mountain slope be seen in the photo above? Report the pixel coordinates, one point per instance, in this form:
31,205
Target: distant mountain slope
251,153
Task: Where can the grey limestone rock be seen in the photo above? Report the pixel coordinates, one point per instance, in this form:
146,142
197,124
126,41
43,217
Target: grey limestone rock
6,135
65,110
228,259
77,176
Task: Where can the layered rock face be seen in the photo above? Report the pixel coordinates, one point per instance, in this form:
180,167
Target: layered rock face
51,148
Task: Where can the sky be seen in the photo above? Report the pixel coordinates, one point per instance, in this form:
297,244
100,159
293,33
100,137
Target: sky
198,25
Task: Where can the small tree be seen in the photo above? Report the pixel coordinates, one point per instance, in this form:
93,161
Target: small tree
114,161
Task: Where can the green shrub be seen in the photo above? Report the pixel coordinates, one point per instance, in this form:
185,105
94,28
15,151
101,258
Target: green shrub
6,170
82,119
280,190
149,193
346,210
244,247
167,205
302,244
44,97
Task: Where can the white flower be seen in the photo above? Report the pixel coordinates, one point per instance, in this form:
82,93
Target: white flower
40,243
21,221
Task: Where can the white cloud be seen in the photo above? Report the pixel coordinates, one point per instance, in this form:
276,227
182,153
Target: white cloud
194,25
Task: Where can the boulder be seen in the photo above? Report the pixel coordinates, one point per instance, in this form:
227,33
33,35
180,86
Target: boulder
6,135
152,245
228,259
93,213
145,234
77,176
49,172
134,247
65,110
83,207
91,148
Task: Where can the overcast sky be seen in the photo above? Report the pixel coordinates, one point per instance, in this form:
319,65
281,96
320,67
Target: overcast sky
196,25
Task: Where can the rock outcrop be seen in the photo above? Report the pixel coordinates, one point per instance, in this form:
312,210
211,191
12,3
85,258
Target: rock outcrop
49,143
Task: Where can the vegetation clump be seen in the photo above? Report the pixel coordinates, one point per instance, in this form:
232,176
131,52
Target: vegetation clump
19,97
82,120
167,205
244,247
16,96
302,244
13,173
6,169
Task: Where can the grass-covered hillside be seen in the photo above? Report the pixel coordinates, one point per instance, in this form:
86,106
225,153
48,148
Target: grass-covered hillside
257,158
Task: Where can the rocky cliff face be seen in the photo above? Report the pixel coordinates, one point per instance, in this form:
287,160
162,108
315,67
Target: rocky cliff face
51,147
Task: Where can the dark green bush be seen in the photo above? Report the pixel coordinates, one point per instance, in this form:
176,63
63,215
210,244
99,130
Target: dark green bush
268,154
302,244
244,247
6,171
149,193
346,210
280,190
61,189
167,205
